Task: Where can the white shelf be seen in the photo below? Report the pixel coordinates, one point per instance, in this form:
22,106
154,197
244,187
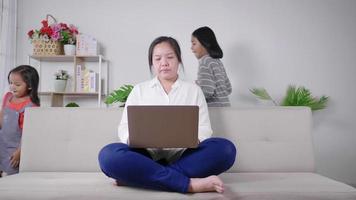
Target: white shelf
57,98
64,58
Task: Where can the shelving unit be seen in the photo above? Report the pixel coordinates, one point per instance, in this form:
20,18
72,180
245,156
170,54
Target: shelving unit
57,98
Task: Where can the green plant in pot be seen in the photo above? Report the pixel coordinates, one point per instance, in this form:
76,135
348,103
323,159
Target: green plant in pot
72,105
294,97
119,95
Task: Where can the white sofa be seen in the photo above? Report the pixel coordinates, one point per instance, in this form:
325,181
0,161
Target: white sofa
275,157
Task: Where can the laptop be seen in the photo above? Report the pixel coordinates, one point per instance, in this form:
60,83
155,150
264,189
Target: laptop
163,126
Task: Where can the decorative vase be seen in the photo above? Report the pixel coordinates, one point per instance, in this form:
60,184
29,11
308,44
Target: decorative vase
69,49
60,85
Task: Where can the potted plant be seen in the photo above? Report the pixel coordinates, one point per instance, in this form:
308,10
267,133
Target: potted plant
294,97
72,105
68,38
60,81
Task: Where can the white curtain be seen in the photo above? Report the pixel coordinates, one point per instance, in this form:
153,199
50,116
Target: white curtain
7,41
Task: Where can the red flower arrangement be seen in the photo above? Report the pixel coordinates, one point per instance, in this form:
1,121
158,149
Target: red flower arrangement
57,32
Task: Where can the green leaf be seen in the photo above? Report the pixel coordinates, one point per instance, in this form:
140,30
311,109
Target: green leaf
119,95
261,93
321,104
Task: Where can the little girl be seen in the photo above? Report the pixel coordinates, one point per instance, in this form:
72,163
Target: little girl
23,81
212,77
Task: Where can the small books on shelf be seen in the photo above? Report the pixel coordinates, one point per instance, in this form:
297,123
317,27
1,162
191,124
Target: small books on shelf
86,45
87,80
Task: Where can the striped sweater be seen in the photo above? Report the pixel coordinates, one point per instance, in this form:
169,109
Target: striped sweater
213,80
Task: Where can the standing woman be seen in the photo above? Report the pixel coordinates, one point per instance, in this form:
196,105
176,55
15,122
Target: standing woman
212,77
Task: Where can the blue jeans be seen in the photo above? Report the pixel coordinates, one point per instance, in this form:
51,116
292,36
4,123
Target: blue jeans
135,167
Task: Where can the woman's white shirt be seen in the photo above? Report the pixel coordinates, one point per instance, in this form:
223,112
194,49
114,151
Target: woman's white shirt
182,93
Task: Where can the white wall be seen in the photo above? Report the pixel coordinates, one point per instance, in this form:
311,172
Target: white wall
267,43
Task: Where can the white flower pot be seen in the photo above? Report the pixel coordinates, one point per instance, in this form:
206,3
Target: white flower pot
69,49
60,85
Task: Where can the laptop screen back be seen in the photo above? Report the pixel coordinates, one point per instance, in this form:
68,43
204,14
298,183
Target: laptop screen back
163,126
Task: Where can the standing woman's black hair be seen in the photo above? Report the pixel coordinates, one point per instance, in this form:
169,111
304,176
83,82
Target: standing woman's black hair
30,77
207,38
171,41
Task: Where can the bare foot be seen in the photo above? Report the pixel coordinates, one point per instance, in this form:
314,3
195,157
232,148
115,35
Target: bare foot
117,183
208,184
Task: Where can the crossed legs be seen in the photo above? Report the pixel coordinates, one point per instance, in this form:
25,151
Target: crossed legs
195,171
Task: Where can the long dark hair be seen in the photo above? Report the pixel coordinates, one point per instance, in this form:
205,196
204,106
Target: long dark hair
30,77
171,41
207,38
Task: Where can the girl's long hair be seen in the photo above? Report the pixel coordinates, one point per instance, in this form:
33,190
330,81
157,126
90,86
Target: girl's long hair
207,38
31,78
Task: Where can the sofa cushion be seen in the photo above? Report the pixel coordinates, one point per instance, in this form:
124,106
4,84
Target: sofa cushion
246,186
66,139
269,139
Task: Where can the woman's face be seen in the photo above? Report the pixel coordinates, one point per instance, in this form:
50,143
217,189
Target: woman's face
165,62
197,48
